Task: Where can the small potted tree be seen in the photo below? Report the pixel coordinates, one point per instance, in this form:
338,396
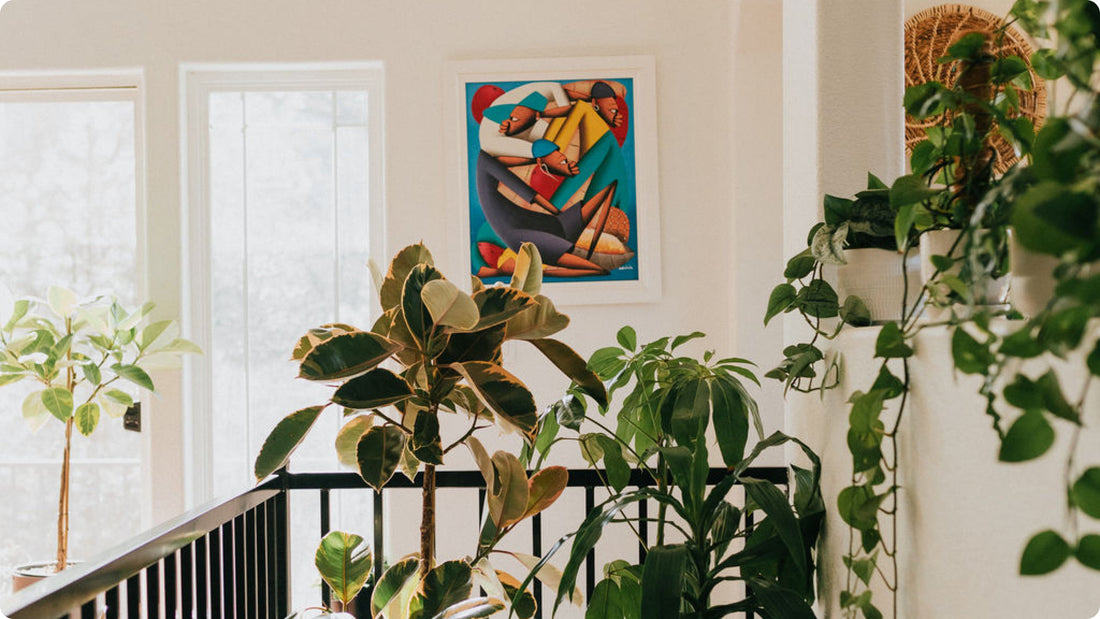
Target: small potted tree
80,354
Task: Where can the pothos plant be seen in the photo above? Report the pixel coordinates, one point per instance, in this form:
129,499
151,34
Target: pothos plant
953,185
867,221
445,348
662,428
80,354
1055,212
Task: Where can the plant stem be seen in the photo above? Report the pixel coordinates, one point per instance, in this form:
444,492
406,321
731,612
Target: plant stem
427,521
63,501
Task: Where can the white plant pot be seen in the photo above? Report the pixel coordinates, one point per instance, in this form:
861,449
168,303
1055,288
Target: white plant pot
939,243
24,576
878,278
1032,277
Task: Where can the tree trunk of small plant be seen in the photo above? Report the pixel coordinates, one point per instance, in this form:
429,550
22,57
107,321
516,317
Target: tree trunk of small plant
427,521
63,501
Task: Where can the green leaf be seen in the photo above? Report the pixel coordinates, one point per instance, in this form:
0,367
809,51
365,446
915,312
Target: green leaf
87,417
606,601
61,300
180,345
573,365
1028,438
781,299
400,267
774,503
1053,399
890,343
527,275
284,439
344,562
509,493
1044,553
504,394
347,439
58,401
445,585
539,321
346,356
134,374
970,356
731,407
417,317
544,488
818,299
378,453
151,332
449,306
779,601
426,443
908,190
483,345
375,389
858,506
627,338
389,588
855,312
801,265
91,373
1086,492
662,581
497,304
479,607
1088,551
618,471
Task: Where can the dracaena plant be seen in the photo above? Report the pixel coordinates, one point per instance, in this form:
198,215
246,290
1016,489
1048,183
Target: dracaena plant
662,427
80,354
436,350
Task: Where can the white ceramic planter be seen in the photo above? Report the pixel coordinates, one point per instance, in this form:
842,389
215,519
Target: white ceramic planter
878,277
24,576
1032,277
939,243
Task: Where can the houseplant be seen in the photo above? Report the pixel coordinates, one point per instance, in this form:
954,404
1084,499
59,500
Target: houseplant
79,354
661,427
446,348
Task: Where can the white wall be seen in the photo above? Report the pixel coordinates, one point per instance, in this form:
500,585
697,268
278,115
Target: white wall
719,138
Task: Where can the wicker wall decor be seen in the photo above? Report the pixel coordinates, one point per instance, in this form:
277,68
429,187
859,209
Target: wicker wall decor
929,33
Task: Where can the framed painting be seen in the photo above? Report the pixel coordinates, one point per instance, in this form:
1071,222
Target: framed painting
561,153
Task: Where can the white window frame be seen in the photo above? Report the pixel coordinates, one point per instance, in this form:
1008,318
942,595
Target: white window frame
197,82
122,84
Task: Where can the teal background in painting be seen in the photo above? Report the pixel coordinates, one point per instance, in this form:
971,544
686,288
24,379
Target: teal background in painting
626,272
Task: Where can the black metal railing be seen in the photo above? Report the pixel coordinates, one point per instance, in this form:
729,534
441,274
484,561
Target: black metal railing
232,559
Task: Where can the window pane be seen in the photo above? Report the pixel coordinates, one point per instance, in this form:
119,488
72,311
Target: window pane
68,199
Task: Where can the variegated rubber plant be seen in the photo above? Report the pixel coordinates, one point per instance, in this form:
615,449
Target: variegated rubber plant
438,350
80,353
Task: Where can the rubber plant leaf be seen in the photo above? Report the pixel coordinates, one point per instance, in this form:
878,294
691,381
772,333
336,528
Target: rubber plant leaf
284,439
344,562
509,499
444,586
539,321
417,317
347,439
544,488
375,389
379,453
575,367
502,393
497,304
402,264
449,306
393,585
346,356
527,275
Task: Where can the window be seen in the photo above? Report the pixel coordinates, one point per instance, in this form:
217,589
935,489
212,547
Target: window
69,194
285,182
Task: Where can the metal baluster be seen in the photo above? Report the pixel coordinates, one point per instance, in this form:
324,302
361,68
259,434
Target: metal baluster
187,580
170,582
326,526
259,549
282,541
240,585
536,549
216,559
87,611
202,587
590,560
379,542
111,598
153,588
133,596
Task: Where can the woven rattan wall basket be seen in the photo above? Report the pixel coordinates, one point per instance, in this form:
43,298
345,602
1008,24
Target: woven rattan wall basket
929,33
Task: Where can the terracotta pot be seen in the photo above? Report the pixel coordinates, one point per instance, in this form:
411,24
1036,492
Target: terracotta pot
939,243
24,576
878,278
